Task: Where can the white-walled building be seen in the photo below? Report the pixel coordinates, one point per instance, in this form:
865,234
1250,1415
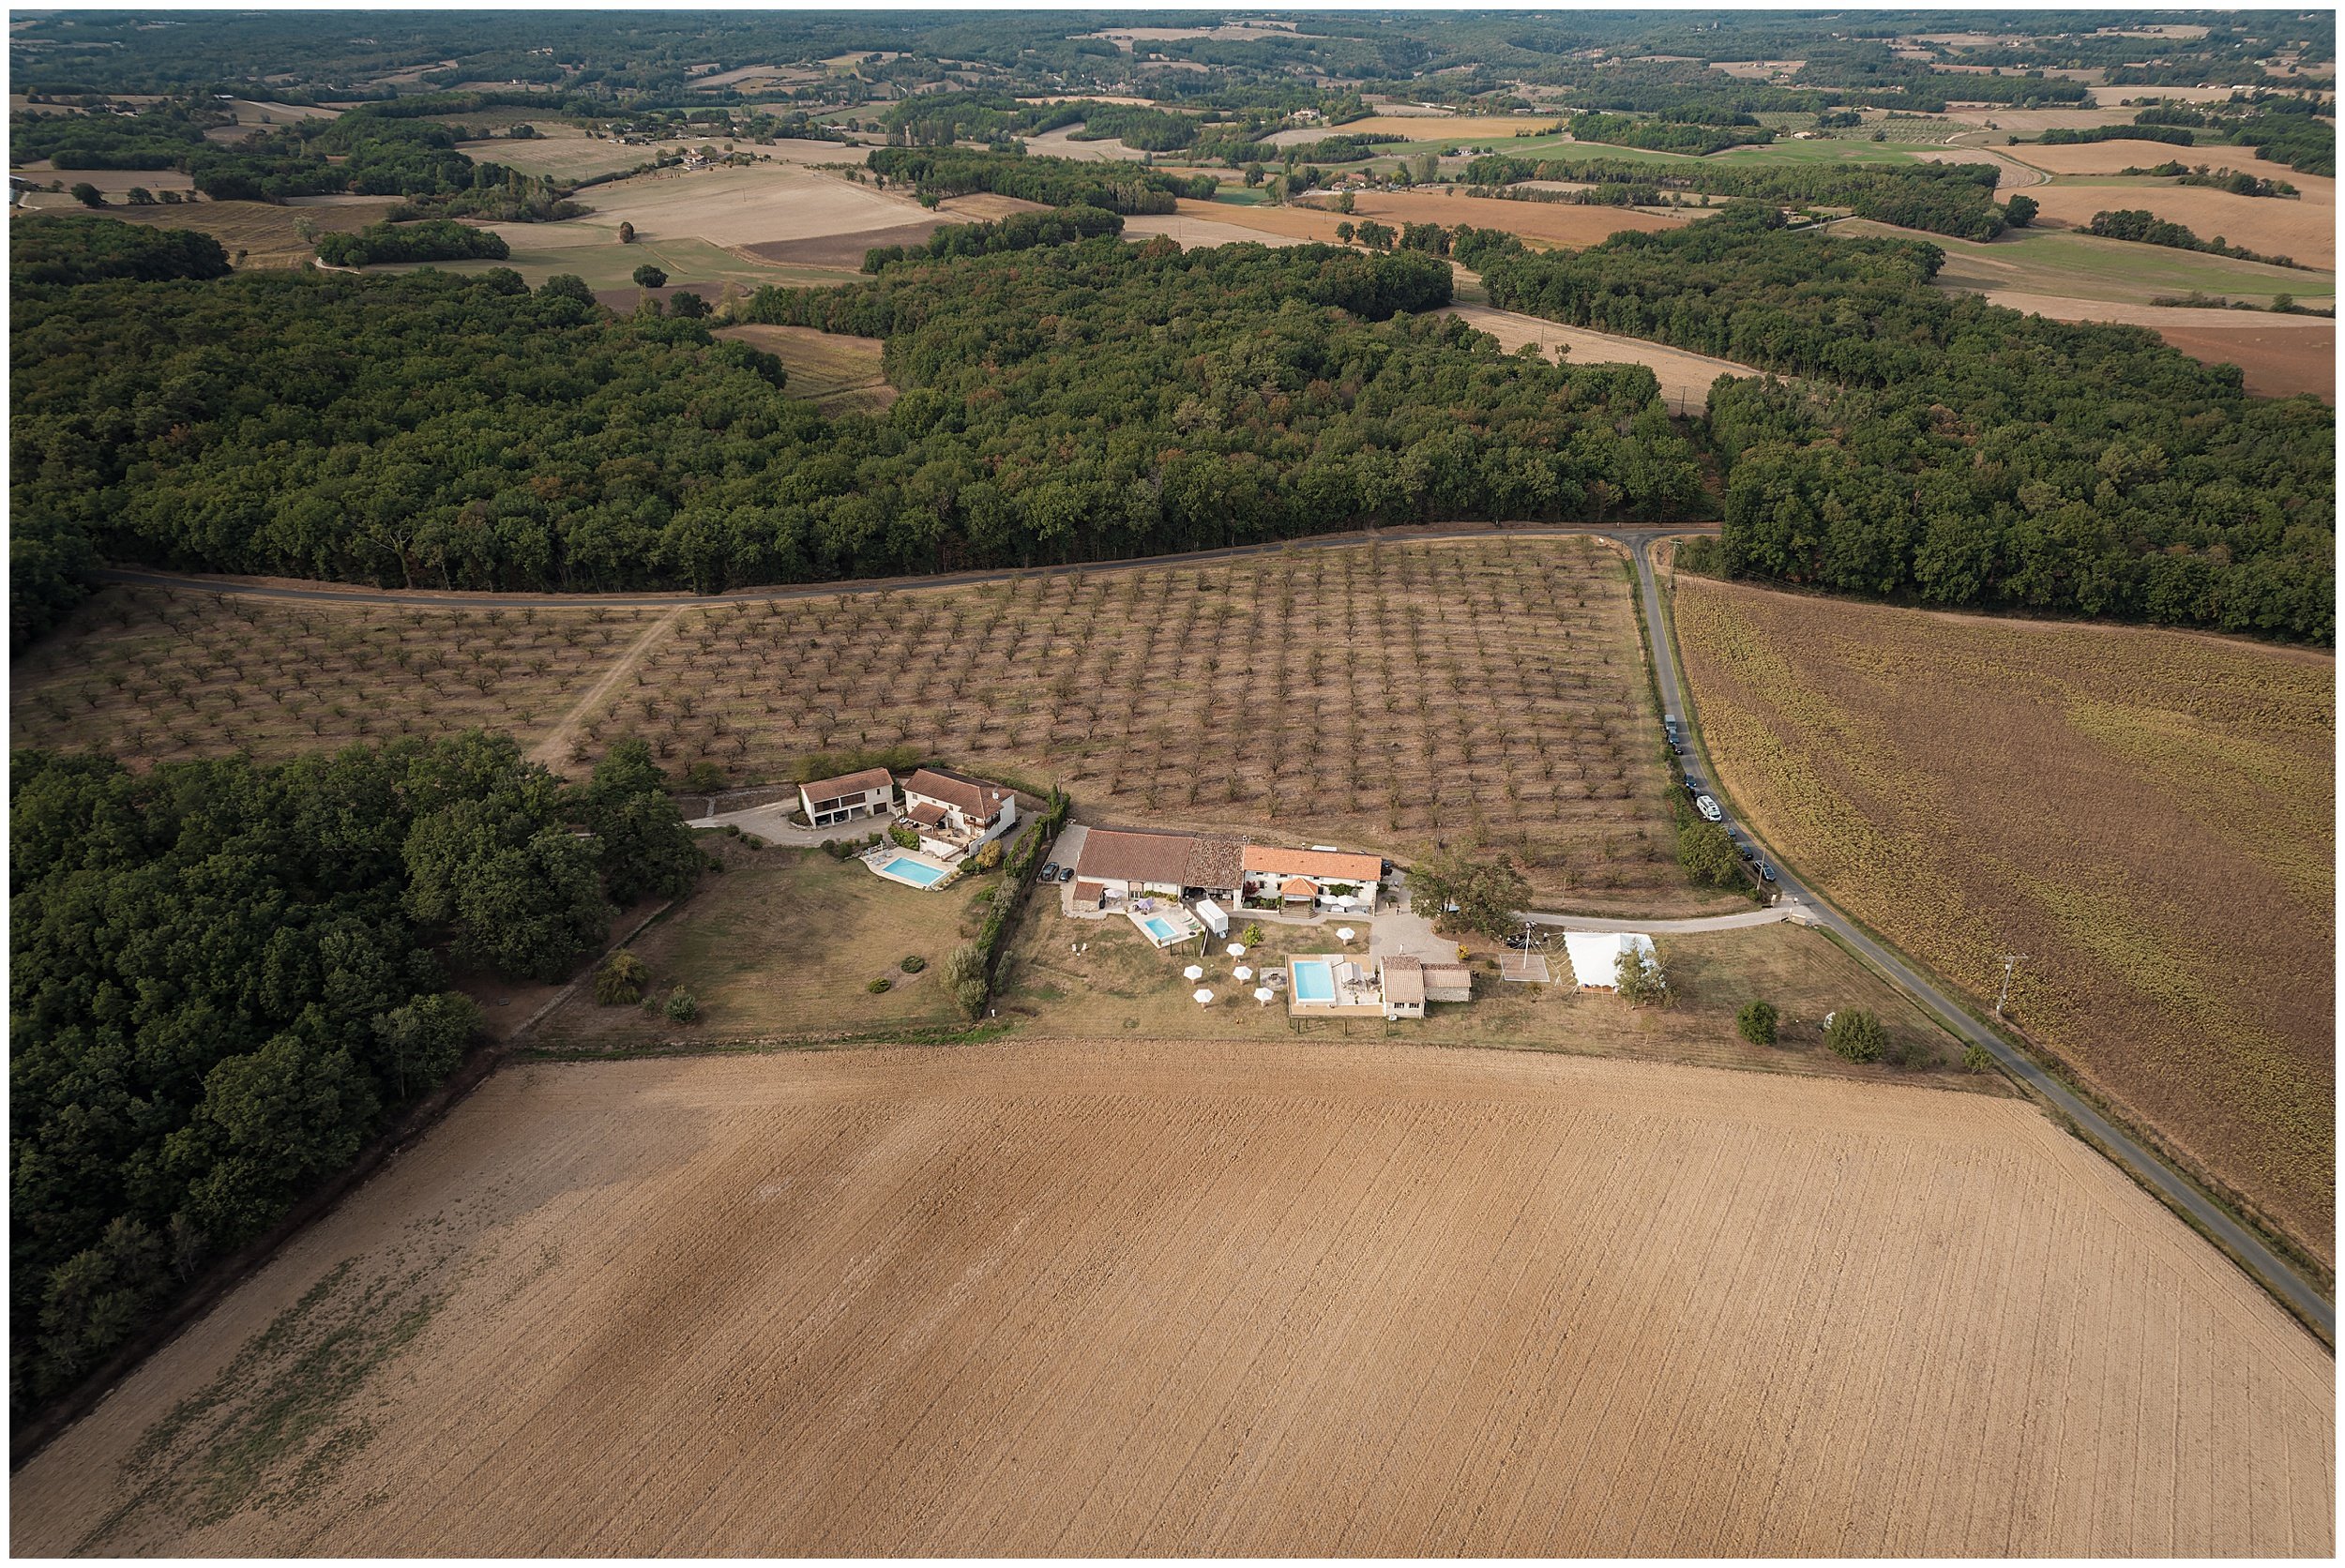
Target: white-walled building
955,815
830,801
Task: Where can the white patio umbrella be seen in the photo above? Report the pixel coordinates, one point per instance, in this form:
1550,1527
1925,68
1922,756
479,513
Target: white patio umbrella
1203,997
1242,972
1237,950
1261,994
1193,972
1343,933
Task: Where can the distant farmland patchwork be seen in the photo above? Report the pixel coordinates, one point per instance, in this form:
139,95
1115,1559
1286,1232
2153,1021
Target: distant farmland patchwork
2146,815
1076,1298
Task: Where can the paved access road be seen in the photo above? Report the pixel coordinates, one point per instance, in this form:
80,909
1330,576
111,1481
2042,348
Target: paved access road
2147,1167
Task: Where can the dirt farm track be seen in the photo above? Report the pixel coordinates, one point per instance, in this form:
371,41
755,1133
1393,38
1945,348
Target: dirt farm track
1069,1297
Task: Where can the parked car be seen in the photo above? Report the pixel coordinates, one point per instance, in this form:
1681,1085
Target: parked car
1049,872
1766,872
1519,941
1693,785
1066,873
1708,807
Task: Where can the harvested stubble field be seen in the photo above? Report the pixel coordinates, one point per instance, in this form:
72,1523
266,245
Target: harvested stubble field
1186,1298
2304,232
1684,376
2148,815
1388,695
2279,356
2084,267
839,373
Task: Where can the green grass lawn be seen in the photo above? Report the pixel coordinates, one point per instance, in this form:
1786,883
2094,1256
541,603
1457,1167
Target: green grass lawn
786,942
2085,266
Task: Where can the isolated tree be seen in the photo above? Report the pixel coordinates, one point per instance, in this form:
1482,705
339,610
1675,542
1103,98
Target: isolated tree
1856,1035
627,234
1344,231
1344,202
2019,211
650,276
141,197
88,195
683,1007
1488,893
1640,980
1756,1023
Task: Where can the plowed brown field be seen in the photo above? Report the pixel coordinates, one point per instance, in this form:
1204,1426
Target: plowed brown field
2148,815
1072,1298
2279,355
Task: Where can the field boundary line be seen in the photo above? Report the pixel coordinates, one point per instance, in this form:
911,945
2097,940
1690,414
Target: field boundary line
551,751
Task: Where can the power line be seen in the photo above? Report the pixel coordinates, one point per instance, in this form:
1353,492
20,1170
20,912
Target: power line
2009,960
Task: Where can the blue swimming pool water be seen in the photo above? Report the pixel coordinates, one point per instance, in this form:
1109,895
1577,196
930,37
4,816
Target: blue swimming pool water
1314,983
1160,928
914,872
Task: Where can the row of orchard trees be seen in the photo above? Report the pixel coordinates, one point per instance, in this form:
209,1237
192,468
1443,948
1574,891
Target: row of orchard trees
1073,401
1938,447
224,978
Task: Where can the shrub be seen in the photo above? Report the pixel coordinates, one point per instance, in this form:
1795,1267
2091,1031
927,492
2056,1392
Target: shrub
964,964
1756,1023
1977,1059
914,964
879,984
683,1007
621,979
1251,935
1856,1035
2019,211
904,837
1638,975
650,276
704,777
990,857
971,994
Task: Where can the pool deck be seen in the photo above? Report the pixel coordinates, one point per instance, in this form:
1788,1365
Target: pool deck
1361,998
885,855
1185,926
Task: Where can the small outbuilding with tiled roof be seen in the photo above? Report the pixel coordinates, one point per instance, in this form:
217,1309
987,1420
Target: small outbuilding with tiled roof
829,800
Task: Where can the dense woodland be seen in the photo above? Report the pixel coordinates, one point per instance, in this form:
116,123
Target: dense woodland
225,978
1955,199
436,239
1941,447
1074,401
1054,182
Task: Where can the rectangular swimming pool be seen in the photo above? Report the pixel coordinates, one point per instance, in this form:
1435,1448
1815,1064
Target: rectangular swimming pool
1162,929
915,871
1314,982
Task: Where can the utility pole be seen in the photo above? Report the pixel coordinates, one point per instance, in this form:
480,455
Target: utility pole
2008,960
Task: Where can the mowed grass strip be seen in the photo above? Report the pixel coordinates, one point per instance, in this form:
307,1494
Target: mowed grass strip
1490,694
2147,815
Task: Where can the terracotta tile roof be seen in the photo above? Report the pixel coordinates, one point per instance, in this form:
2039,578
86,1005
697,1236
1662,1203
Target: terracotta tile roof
927,814
1215,861
848,784
1123,854
969,797
1089,893
1299,887
1326,863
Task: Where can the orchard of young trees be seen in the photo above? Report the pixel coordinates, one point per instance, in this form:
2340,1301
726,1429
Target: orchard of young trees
1937,447
225,978
1072,401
